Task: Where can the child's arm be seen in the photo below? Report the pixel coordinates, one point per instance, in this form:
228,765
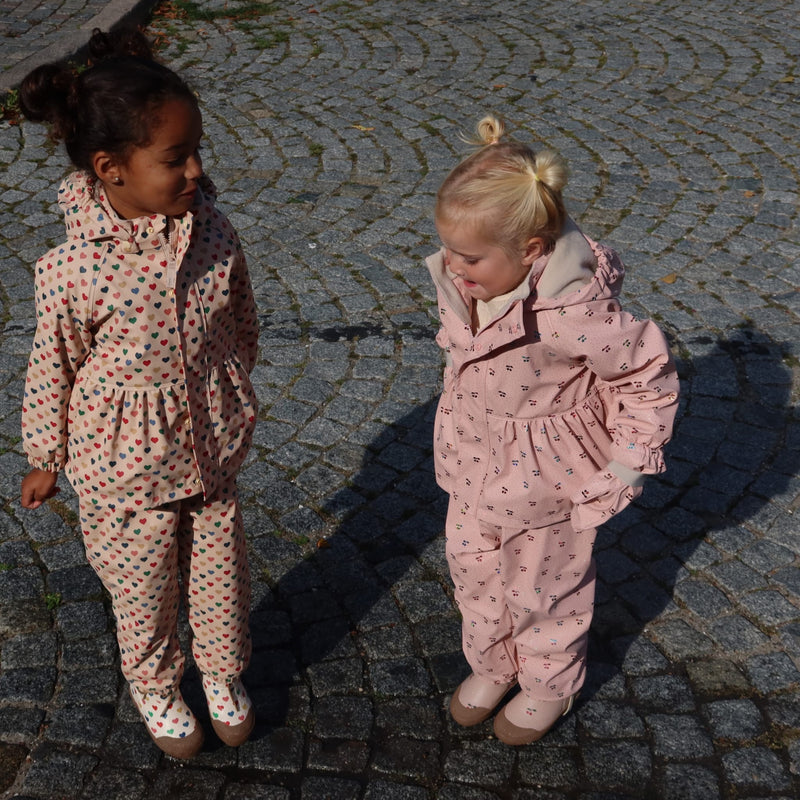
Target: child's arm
60,345
639,385
246,311
38,486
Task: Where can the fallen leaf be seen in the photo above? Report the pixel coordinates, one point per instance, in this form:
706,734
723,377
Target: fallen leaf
749,193
671,278
363,128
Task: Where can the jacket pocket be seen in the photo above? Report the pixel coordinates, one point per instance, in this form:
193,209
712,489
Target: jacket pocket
603,496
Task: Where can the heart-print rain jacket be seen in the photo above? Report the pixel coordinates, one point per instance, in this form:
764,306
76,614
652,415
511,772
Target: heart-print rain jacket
138,381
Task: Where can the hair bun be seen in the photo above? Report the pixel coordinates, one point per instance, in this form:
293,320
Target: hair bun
122,42
490,130
45,94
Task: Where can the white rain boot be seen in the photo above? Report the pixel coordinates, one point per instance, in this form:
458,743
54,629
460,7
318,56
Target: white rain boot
170,722
231,710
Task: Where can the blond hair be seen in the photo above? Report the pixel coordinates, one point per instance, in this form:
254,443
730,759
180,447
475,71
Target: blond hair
507,190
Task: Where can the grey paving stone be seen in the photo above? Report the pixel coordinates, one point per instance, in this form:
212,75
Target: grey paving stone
735,632
22,583
639,656
258,791
680,641
28,685
337,755
690,782
422,599
625,766
29,651
184,783
93,685
333,788
737,720
772,672
81,726
82,620
756,768
399,677
488,763
408,717
702,597
609,720
668,693
343,718
111,784
75,583
716,677
281,751
52,767
19,724
679,737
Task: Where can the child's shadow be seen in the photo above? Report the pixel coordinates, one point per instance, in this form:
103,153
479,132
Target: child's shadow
374,595
728,465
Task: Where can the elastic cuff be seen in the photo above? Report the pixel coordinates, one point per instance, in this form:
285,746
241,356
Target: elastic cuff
47,466
627,475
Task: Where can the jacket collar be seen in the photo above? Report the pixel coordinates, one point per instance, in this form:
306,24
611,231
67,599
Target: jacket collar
452,288
88,215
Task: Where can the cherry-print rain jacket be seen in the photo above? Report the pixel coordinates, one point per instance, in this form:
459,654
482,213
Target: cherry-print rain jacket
138,382
558,405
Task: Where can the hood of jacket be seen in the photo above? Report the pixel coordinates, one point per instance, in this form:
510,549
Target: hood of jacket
559,285
550,283
88,214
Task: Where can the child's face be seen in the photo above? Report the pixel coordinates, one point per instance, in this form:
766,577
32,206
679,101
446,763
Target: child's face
486,268
160,178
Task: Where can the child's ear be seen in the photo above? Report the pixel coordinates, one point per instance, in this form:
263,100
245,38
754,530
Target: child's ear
533,249
105,167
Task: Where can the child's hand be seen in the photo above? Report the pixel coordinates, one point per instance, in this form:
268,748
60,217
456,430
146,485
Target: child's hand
604,496
37,486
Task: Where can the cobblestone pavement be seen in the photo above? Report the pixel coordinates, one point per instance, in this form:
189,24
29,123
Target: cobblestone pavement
329,127
35,31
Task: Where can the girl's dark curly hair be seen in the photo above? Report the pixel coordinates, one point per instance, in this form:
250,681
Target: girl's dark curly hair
112,106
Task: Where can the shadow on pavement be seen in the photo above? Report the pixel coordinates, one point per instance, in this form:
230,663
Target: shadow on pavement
375,596
727,460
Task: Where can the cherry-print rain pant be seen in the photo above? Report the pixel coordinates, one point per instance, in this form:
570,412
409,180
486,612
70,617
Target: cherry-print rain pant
139,555
526,598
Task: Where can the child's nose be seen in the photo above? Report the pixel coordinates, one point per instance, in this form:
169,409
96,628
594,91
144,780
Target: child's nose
452,262
459,267
194,167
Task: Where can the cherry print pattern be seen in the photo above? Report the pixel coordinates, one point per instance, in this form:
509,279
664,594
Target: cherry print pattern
512,627
538,401
537,404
